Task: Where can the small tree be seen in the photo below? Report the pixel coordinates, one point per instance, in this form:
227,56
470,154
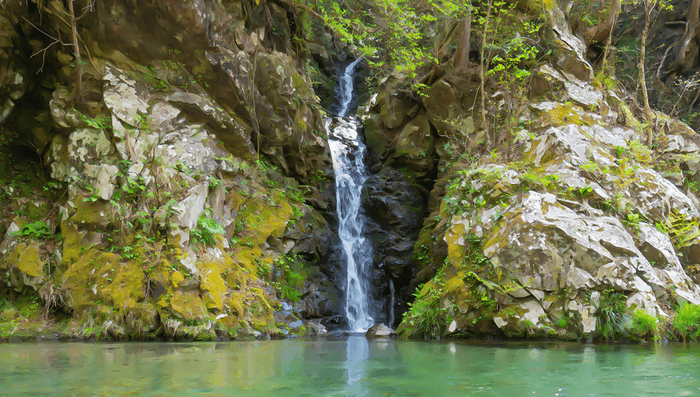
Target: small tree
649,6
66,13
76,51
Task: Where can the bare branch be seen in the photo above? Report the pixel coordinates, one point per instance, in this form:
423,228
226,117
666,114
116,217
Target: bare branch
43,51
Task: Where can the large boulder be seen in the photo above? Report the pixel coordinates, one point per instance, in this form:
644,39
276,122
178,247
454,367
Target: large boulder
380,331
567,51
415,146
24,265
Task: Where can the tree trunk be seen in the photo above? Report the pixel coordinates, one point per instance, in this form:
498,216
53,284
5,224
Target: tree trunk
648,8
461,57
76,53
482,74
693,16
693,19
608,43
602,31
685,57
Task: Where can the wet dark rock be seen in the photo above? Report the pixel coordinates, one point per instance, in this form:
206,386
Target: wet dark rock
394,207
335,323
393,202
319,298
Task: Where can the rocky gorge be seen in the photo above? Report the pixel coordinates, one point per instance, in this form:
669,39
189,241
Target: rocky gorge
172,178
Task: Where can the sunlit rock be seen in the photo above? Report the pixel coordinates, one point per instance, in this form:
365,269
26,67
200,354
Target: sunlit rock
380,331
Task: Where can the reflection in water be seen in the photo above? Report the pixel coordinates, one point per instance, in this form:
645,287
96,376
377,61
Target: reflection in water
357,352
352,367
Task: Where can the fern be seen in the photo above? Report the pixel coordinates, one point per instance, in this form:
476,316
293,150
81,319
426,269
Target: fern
206,231
682,229
36,230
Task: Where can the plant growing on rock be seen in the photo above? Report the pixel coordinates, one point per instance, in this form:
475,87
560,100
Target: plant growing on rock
289,276
611,314
644,325
687,322
426,317
682,229
38,230
206,231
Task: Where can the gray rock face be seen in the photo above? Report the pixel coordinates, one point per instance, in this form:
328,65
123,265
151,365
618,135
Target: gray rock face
560,258
285,113
577,217
577,252
568,51
550,82
394,208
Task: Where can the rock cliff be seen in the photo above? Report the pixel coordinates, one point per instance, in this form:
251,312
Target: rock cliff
173,180
570,226
165,173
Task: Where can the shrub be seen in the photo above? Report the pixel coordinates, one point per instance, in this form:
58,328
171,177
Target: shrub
644,325
611,314
426,317
206,231
687,321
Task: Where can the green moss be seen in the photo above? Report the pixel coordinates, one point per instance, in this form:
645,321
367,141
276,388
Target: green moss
102,279
213,290
630,120
176,278
98,212
26,258
37,210
185,305
566,113
264,218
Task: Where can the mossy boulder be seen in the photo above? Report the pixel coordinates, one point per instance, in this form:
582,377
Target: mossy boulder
24,265
394,109
9,314
93,213
185,305
415,146
445,102
375,135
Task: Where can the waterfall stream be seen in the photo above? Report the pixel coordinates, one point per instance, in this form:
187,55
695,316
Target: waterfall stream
348,154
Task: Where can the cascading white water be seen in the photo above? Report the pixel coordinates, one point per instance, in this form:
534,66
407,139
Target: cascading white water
348,154
392,302
347,88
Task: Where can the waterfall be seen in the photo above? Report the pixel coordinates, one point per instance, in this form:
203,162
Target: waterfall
392,302
346,88
348,154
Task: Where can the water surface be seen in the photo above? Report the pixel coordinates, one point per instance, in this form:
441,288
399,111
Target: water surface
351,367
